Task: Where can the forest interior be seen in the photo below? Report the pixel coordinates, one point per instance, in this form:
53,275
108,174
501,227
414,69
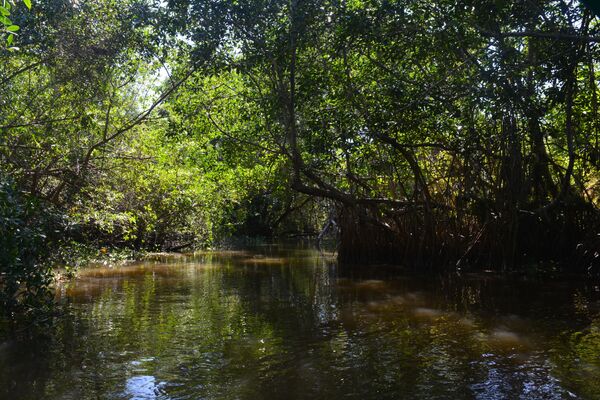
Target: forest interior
299,199
430,134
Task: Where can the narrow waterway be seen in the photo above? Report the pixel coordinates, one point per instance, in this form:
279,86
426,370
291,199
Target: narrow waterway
279,322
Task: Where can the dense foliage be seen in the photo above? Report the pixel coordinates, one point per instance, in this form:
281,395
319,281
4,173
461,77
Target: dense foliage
446,133
24,243
8,27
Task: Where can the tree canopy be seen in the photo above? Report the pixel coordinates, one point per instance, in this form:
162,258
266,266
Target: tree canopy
431,133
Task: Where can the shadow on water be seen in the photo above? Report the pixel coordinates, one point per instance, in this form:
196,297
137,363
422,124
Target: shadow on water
287,323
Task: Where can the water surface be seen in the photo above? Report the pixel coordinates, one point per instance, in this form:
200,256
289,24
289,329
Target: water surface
287,323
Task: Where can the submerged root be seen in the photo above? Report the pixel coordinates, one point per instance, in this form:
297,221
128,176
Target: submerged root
568,236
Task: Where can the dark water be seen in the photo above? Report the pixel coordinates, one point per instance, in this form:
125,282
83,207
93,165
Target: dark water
290,324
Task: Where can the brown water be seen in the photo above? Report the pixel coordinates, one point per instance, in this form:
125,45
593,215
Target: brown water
281,323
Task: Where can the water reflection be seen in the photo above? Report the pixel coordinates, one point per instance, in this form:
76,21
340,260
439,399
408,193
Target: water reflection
143,387
289,323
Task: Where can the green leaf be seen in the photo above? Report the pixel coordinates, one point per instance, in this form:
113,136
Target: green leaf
10,39
27,3
4,11
12,28
5,21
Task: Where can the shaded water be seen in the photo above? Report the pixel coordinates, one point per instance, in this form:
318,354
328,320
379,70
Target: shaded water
281,323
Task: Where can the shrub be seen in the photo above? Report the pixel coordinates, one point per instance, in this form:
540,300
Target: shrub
25,227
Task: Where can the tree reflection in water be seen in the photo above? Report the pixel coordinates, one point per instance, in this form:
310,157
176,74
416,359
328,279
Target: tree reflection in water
291,324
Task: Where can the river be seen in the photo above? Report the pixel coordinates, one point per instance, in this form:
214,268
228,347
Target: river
278,322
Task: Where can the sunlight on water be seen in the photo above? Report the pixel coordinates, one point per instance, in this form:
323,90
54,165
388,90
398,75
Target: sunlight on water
288,323
142,388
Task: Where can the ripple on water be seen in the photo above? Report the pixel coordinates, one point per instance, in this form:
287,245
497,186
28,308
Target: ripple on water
173,328
144,387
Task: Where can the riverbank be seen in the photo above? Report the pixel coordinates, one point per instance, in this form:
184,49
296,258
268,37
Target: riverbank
262,322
